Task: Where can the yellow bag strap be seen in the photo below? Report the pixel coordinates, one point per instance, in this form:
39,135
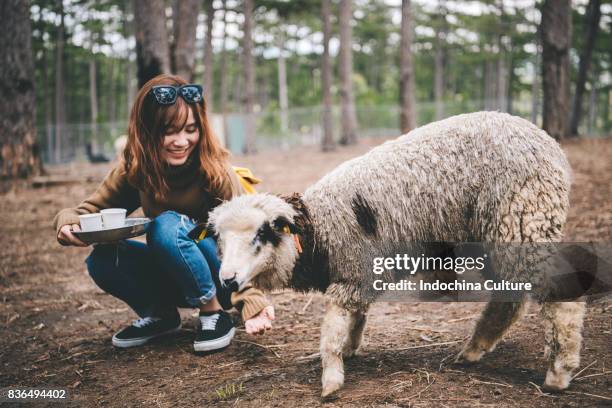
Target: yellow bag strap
247,179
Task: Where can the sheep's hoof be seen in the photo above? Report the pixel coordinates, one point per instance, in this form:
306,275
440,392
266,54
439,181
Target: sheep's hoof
556,382
332,381
329,390
469,355
348,354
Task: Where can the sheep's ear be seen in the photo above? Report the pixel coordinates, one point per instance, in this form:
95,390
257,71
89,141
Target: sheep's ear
283,224
210,230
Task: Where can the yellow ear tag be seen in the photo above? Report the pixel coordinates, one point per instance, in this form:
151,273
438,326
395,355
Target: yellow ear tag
202,235
286,229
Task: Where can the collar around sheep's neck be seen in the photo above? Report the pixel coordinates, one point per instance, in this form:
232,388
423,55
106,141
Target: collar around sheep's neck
311,270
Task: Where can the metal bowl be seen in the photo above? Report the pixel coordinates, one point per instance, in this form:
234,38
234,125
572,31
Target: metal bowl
133,228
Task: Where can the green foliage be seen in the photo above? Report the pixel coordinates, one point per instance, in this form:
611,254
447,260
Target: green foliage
96,30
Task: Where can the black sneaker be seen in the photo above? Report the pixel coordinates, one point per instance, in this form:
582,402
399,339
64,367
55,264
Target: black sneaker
145,329
215,331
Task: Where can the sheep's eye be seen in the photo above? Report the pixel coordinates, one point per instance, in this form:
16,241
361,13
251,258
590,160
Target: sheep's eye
266,234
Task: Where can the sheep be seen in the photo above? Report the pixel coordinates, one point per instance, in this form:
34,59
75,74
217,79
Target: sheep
95,157
479,177
119,145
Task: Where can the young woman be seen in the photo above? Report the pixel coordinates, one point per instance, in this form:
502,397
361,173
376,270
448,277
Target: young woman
174,168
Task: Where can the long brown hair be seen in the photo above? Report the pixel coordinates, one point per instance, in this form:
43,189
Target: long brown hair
149,123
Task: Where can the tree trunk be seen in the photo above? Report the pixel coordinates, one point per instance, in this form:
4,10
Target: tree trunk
593,15
407,115
184,25
502,66
60,106
48,105
19,153
152,50
237,88
606,111
510,82
208,55
223,77
131,94
439,66
501,91
111,105
593,104
283,100
93,101
327,143
535,97
249,77
127,31
556,31
349,117
490,85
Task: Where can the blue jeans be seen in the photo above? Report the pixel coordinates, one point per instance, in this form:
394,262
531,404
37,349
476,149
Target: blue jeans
170,271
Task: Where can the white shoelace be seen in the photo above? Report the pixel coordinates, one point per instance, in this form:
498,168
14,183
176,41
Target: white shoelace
145,321
209,322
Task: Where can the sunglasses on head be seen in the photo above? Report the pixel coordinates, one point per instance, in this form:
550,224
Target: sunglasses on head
167,94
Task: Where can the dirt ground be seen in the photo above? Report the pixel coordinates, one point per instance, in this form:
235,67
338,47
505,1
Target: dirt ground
56,324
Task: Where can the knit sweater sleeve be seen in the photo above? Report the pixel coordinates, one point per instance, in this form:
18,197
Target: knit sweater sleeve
114,191
249,302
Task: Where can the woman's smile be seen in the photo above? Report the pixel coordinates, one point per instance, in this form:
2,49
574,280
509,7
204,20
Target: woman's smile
178,152
178,145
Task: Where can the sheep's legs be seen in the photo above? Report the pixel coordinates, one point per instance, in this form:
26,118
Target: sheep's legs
494,322
357,324
563,336
340,333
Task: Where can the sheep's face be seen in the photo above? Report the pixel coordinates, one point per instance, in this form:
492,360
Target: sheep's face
255,242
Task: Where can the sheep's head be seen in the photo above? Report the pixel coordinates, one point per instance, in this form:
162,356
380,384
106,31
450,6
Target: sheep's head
255,241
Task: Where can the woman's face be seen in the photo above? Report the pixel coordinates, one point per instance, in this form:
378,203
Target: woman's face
179,143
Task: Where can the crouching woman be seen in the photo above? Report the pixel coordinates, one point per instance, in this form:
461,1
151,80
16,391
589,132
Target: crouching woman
174,168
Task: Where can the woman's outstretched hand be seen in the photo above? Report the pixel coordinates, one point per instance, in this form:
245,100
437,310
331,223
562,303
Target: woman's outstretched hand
66,237
260,323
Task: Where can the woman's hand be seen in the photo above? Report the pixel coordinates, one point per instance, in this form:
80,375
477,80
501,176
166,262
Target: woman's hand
66,237
260,323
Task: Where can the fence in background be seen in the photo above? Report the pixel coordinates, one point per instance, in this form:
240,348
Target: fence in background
303,127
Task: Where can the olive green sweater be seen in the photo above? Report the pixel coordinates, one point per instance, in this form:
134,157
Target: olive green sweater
188,194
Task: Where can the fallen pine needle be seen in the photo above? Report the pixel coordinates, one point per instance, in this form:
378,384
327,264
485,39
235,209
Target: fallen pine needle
418,394
593,375
229,364
537,387
427,329
491,383
427,345
401,384
461,319
307,303
590,395
308,357
581,371
73,355
398,372
444,359
260,345
454,371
